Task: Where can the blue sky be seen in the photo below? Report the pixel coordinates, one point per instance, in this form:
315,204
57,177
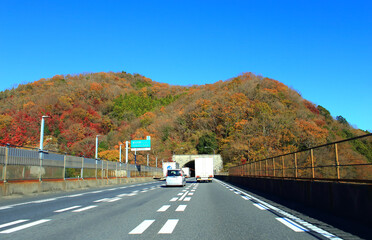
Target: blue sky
321,48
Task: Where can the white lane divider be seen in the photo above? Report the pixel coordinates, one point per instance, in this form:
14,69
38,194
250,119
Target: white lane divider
142,227
13,223
179,194
181,208
27,225
126,195
292,225
174,199
187,199
190,194
183,196
163,208
114,199
85,208
66,209
168,226
101,200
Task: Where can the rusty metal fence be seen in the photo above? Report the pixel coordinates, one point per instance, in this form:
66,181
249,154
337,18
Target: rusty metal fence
22,164
348,160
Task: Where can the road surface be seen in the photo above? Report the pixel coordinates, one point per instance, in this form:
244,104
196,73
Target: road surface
150,210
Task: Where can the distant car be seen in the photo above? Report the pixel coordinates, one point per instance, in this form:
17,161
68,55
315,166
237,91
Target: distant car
175,177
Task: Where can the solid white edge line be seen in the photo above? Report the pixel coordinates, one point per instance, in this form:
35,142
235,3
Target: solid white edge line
44,200
5,207
291,225
260,206
66,209
13,223
31,224
168,226
163,208
298,220
85,208
142,227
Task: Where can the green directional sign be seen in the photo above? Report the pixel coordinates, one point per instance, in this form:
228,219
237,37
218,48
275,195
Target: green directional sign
138,145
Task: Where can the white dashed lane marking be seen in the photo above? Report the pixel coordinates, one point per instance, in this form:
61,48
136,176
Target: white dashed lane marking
187,199
13,223
66,209
181,208
85,208
142,227
27,225
183,196
168,226
163,208
174,199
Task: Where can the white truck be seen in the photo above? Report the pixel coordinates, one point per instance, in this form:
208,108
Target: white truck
204,169
186,170
169,166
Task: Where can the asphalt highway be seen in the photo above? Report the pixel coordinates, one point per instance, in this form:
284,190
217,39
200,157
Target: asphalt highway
150,210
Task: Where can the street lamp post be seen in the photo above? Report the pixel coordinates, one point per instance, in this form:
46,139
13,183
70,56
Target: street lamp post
96,156
120,152
212,149
41,144
42,132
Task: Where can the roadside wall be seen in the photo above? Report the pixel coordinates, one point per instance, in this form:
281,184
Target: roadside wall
29,188
352,201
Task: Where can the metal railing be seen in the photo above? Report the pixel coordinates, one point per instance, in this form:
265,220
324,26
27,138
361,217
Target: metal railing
348,160
22,164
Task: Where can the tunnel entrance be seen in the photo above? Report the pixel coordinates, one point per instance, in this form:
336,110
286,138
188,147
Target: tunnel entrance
190,165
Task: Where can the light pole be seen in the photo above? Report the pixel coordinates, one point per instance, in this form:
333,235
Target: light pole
96,156
212,149
42,132
120,152
41,144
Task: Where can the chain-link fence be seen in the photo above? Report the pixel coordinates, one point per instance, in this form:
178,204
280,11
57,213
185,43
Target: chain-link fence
348,160
22,164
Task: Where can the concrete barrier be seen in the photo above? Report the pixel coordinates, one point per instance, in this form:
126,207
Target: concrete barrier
347,200
31,188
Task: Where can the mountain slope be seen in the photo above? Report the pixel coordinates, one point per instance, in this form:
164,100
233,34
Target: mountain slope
246,117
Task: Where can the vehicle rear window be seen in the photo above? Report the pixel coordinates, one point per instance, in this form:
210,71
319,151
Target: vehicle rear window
174,173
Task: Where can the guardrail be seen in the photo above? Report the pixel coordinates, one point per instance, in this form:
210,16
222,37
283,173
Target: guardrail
22,164
348,160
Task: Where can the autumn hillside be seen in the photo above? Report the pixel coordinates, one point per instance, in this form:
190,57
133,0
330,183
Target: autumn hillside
246,117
